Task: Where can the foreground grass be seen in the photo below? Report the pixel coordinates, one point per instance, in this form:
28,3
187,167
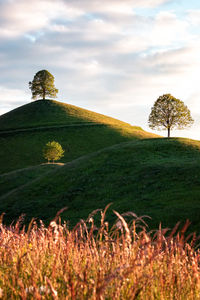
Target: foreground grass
89,262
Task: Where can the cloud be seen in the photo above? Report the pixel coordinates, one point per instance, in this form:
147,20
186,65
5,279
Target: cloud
11,97
194,16
115,5
20,16
105,55
168,29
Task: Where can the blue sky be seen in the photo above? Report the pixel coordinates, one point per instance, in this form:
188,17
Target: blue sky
179,6
114,57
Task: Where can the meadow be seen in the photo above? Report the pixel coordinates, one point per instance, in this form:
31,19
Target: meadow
156,177
25,131
125,261
106,254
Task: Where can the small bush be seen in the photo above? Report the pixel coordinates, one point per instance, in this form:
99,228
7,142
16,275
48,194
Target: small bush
53,151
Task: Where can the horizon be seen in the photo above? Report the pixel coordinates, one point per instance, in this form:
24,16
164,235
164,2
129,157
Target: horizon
121,55
134,125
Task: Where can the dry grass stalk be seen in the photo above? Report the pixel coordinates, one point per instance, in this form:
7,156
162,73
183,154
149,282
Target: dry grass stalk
125,262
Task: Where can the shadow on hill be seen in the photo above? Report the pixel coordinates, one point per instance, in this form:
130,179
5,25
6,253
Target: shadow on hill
155,177
23,149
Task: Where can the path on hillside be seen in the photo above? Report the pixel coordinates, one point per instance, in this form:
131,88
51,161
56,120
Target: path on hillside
2,132
72,163
29,182
28,168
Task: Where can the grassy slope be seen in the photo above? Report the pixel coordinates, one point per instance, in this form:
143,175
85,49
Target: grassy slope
157,177
23,149
51,112
15,179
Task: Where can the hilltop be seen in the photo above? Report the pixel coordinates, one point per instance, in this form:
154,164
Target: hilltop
25,130
52,113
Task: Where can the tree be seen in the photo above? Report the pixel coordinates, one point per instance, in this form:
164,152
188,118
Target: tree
53,151
168,113
43,85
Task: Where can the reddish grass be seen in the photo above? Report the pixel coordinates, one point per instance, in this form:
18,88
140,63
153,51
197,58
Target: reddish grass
122,262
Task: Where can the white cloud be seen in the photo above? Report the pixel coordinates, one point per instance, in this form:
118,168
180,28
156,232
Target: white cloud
168,29
103,55
194,16
114,5
20,16
10,98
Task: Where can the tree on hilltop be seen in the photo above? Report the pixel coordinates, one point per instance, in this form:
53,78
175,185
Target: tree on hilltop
53,151
168,113
43,85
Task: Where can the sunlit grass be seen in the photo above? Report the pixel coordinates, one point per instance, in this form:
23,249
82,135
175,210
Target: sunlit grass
24,148
98,262
51,112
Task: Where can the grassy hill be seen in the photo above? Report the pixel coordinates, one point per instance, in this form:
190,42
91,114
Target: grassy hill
105,161
155,177
52,113
25,130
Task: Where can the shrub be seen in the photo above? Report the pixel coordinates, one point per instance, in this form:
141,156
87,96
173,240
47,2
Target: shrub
53,151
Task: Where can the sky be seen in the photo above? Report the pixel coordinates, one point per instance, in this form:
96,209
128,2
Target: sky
114,57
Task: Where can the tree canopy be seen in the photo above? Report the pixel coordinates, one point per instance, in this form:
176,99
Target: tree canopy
53,151
168,113
43,85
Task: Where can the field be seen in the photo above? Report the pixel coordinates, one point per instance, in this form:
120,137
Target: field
110,253
105,161
78,131
90,262
155,177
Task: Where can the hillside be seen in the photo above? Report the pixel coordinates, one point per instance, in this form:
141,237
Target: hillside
155,177
52,113
25,130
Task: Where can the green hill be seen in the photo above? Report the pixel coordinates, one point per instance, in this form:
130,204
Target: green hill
106,160
52,113
25,130
155,177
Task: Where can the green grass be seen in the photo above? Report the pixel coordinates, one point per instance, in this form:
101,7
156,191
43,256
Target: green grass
51,112
15,179
120,163
24,149
109,161
155,177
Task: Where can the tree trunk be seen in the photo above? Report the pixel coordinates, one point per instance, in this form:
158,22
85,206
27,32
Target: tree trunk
168,129
44,93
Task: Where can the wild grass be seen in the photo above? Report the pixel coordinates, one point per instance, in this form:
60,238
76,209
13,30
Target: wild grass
92,261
